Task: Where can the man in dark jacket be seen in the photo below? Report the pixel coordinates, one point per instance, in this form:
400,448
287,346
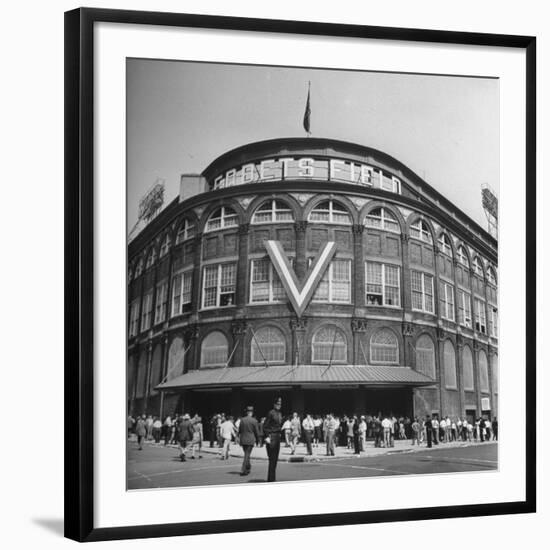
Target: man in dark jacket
272,430
185,435
249,435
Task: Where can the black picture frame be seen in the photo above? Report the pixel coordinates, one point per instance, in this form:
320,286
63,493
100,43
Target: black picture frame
79,266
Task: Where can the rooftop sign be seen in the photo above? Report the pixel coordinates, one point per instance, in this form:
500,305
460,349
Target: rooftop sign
307,168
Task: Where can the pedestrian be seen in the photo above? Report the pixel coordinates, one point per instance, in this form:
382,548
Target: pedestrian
363,434
415,427
453,430
332,426
149,427
286,431
272,429
130,425
443,430
261,431
494,425
349,427
429,431
141,431
249,435
317,430
185,435
295,432
401,429
167,428
227,433
378,431
387,429
212,426
435,429
198,435
221,420
356,443
309,427
157,427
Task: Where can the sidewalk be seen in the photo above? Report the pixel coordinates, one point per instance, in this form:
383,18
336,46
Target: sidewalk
319,453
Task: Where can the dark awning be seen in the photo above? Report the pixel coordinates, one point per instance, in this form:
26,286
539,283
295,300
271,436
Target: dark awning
302,375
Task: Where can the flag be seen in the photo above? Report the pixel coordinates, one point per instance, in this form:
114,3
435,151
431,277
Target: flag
307,113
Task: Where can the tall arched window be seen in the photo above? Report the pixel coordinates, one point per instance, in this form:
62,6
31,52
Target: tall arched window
268,346
214,350
384,347
449,364
420,230
462,256
222,218
141,374
151,257
330,212
478,269
382,218
139,268
329,345
165,246
425,356
491,276
186,231
445,245
483,372
273,211
176,358
156,369
467,369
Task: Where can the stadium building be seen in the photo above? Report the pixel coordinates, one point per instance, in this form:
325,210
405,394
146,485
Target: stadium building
323,271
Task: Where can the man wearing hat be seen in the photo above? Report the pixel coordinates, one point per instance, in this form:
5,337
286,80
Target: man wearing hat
249,435
272,429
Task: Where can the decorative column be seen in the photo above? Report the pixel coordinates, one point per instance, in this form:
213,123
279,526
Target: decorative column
359,328
409,355
459,374
358,282
190,338
440,367
148,374
239,328
164,371
406,298
196,278
477,382
490,357
241,298
298,329
300,267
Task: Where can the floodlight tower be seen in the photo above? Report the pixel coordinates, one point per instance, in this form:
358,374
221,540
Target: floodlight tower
149,206
490,205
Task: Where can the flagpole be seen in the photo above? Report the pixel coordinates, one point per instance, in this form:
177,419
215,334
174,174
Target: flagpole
307,112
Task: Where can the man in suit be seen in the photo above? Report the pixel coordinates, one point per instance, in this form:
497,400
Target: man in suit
249,435
272,429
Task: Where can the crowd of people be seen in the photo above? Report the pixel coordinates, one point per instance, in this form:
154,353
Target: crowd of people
350,431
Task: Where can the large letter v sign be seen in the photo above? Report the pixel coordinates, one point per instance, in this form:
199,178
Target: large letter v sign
300,294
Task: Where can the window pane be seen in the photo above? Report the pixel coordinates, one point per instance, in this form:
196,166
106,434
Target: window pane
425,356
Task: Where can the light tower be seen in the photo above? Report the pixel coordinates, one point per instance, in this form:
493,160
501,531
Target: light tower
490,205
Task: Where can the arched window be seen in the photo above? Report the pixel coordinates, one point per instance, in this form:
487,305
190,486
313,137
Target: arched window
268,346
491,276
462,256
141,374
186,231
483,372
420,230
273,211
156,369
425,356
384,347
330,212
165,246
222,218
449,364
445,245
139,268
151,258
214,350
176,358
478,269
382,218
468,369
329,345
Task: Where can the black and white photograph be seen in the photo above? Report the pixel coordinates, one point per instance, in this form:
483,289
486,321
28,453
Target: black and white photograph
312,259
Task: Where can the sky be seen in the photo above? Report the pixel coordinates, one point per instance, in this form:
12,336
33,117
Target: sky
182,115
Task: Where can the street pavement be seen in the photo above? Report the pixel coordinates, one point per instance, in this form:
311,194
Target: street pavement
160,466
